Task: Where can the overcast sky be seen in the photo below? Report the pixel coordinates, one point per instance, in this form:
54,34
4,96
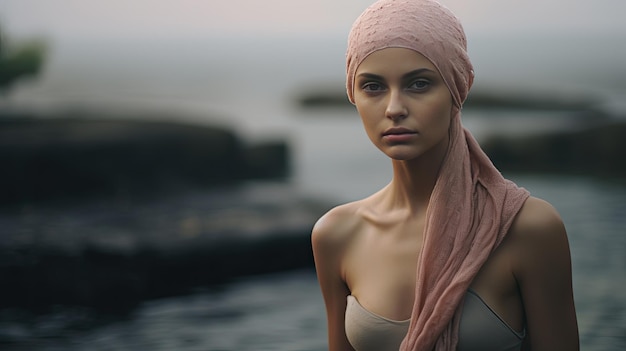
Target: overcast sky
142,18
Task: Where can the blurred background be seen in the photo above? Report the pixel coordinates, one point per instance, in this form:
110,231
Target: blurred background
163,162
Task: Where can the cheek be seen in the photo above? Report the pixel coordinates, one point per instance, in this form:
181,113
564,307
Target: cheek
370,119
439,121
367,120
446,111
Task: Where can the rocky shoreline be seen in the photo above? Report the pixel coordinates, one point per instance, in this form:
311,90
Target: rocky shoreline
65,157
110,256
597,150
107,212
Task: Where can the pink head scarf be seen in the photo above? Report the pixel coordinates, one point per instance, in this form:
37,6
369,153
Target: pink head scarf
472,206
424,26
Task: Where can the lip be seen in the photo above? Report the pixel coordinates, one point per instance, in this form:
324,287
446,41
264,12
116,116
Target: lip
398,131
398,134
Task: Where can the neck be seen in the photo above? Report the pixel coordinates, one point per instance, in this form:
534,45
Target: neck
414,180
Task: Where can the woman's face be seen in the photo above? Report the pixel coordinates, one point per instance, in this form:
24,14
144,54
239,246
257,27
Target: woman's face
405,105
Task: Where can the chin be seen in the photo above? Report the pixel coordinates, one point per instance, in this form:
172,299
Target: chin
400,151
402,158
402,155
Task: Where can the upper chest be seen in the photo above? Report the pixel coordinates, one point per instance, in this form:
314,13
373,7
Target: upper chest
380,266
386,243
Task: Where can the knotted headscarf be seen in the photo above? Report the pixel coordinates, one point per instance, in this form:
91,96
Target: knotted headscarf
472,206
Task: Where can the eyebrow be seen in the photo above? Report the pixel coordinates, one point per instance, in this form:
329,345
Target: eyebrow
404,76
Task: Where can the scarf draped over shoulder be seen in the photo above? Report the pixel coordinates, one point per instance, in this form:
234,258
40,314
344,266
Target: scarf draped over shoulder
470,212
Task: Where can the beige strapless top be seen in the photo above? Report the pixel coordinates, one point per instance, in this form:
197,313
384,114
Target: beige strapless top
481,329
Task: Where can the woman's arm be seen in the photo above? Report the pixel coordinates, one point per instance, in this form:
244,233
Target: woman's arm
329,240
543,270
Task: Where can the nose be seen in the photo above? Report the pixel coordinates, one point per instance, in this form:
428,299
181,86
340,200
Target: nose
396,108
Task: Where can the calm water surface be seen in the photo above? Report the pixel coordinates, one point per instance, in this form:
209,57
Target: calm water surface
285,311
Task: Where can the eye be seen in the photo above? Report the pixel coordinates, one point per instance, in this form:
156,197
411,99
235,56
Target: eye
372,87
420,84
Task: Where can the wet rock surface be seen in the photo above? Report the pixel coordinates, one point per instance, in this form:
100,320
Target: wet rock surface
83,157
594,150
110,256
105,212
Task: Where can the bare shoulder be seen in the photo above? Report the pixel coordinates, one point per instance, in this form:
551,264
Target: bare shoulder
335,227
330,238
537,222
538,235
542,267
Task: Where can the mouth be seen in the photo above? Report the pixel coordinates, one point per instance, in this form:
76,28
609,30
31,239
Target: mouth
398,131
398,135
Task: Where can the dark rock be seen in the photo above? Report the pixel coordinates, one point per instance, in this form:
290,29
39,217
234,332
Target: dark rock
324,100
597,150
267,160
110,256
105,212
58,158
525,100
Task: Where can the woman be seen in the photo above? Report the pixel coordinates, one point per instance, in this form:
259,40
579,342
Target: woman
449,255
